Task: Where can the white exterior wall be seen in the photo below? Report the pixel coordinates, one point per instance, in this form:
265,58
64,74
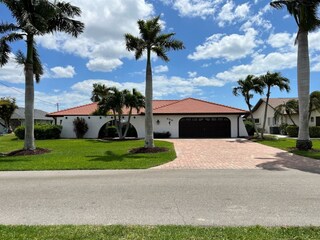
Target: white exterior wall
259,113
166,123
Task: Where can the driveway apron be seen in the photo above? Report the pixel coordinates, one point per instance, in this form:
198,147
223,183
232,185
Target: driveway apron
234,154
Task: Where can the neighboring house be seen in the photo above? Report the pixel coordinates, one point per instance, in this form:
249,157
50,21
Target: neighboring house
187,118
272,123
18,118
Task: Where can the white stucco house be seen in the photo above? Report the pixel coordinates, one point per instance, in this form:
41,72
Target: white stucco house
272,123
186,118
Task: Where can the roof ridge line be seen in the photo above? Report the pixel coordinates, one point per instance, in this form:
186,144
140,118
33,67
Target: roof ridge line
72,108
166,105
219,104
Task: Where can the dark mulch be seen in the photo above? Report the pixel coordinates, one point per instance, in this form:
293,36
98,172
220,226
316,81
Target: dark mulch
148,150
23,152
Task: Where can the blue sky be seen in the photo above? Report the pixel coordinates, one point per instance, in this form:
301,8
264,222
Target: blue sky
225,40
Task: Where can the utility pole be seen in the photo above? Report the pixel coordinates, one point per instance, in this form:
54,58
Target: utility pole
57,107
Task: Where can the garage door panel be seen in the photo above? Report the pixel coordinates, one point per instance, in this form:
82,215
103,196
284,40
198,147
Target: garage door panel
205,127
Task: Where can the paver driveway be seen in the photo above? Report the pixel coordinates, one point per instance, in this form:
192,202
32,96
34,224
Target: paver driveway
234,154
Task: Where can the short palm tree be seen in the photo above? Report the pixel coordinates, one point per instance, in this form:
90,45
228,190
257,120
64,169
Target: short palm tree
305,14
151,40
314,102
34,18
245,88
287,108
134,100
272,80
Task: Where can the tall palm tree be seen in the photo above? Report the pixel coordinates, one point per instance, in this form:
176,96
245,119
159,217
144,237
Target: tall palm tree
314,102
272,80
305,15
245,88
151,40
35,18
134,100
287,108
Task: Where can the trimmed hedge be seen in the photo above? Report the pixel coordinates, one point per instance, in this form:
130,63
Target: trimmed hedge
314,132
161,134
41,131
292,131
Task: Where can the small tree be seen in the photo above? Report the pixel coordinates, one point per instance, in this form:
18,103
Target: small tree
314,104
245,88
272,80
115,101
290,107
7,108
80,127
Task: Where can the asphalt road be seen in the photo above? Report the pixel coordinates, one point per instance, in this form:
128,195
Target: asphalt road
149,197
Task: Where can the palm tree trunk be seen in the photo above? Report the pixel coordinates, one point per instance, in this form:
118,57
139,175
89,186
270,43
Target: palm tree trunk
128,123
252,119
303,67
29,97
148,142
265,113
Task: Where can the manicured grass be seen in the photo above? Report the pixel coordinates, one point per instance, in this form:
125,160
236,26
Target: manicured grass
288,144
67,154
156,232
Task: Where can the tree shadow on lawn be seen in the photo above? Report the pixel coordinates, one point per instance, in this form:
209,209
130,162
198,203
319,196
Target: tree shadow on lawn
112,157
286,160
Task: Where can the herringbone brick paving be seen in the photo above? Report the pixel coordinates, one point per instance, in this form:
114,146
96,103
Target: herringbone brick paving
234,154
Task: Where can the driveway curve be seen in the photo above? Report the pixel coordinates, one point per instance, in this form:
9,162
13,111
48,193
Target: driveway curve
235,154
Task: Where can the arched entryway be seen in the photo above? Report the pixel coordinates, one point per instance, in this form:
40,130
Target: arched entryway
108,130
205,127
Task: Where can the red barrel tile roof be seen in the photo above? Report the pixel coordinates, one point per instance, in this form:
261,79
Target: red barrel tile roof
171,107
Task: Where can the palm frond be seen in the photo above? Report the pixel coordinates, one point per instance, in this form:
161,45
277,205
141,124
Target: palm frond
4,52
37,65
20,58
161,53
6,27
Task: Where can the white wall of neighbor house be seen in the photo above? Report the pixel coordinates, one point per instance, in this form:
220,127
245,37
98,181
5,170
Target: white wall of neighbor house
162,123
271,122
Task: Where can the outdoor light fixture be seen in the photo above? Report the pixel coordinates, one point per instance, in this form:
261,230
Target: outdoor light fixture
158,122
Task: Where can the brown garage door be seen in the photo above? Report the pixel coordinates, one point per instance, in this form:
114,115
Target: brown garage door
207,127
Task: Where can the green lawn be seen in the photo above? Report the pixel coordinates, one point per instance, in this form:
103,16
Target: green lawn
156,232
288,144
67,154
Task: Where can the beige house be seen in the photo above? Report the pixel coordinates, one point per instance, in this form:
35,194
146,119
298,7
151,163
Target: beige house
272,124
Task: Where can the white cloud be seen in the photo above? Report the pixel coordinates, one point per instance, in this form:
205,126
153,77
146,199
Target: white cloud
280,40
258,20
230,13
161,69
194,8
63,72
12,72
192,74
316,67
103,65
102,42
229,47
260,64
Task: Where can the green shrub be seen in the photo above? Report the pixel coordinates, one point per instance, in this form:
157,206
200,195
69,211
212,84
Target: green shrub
249,126
283,128
162,134
19,132
292,131
80,127
314,132
41,131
